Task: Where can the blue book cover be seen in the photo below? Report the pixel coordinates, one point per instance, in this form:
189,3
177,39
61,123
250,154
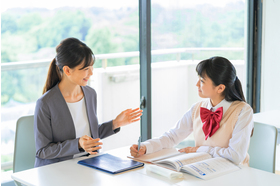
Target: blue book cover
110,163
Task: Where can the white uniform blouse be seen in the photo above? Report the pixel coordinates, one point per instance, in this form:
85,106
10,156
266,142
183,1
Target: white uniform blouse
238,144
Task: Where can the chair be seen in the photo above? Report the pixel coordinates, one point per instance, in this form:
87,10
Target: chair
24,150
185,143
262,149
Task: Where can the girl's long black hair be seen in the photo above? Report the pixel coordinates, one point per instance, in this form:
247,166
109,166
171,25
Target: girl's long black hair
221,71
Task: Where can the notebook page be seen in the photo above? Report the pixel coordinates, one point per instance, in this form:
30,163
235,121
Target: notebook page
210,168
184,159
162,154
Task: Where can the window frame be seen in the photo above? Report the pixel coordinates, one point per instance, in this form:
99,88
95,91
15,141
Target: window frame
253,58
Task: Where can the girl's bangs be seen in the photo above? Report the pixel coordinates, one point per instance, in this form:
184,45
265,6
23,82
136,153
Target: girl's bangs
201,68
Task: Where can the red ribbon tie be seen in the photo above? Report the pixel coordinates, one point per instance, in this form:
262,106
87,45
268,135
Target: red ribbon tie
211,120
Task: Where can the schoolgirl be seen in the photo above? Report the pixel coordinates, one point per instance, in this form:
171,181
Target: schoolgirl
221,124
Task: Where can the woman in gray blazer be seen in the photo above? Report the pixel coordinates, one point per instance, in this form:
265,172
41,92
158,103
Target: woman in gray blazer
65,120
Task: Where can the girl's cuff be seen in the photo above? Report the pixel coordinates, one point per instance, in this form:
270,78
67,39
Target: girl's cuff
149,147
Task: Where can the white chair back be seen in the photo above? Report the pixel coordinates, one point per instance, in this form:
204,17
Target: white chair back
262,149
24,150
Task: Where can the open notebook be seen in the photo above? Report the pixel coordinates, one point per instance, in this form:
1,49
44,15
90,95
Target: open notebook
201,164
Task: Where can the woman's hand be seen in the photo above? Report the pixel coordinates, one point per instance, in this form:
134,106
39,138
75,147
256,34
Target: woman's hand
189,149
126,117
134,150
89,144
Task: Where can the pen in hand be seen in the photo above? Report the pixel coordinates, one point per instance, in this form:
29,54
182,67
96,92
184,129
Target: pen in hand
139,143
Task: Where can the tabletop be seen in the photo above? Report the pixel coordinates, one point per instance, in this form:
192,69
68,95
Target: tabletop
71,173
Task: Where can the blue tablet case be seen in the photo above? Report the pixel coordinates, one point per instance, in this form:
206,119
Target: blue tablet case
110,163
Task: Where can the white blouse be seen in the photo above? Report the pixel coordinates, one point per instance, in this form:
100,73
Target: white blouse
79,115
238,144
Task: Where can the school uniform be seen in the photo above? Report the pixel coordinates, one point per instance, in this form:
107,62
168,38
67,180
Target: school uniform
231,140
54,127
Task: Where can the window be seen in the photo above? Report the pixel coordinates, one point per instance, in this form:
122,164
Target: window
31,30
184,33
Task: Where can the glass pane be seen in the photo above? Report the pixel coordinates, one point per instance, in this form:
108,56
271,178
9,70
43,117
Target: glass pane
31,30
183,34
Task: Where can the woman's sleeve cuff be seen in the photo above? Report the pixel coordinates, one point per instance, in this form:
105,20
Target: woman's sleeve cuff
117,130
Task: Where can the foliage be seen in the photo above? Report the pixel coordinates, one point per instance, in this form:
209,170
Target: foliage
31,34
8,23
6,158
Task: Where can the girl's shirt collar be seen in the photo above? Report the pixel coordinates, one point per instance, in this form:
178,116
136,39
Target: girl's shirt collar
225,104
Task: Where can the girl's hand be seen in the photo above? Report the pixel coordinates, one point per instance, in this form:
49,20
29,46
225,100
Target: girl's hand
189,149
134,150
126,117
89,144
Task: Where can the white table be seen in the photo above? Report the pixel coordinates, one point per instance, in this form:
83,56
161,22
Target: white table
271,118
72,174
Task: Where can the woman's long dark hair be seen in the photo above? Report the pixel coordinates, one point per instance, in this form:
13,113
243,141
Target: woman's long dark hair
221,71
70,52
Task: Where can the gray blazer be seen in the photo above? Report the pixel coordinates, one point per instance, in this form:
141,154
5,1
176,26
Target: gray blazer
55,136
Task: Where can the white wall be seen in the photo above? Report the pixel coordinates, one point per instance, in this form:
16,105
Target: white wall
270,80
118,88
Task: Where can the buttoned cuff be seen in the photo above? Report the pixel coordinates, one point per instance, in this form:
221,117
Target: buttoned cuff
149,147
203,149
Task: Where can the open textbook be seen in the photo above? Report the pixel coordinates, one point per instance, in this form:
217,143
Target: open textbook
199,164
